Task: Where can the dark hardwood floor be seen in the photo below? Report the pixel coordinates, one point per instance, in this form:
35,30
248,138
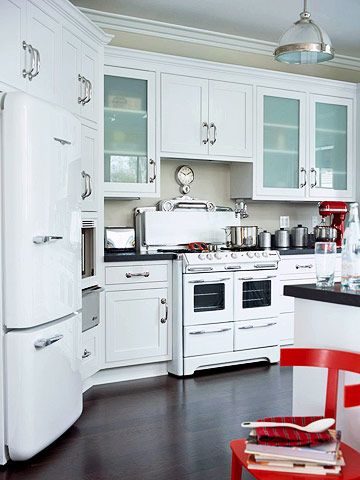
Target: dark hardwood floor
161,428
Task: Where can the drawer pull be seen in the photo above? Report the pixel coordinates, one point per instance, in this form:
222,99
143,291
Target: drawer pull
263,266
202,332
164,302
257,326
141,274
233,267
86,353
304,266
45,342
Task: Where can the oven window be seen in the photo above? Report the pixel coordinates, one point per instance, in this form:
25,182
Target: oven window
257,294
209,297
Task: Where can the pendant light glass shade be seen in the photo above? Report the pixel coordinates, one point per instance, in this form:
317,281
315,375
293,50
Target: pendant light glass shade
304,42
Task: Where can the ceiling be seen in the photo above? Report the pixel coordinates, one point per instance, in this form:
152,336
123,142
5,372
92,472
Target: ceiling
258,19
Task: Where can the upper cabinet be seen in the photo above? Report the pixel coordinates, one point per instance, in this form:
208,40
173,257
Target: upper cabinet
206,119
130,163
305,148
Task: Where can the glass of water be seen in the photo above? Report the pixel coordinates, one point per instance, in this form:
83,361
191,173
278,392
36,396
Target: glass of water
325,259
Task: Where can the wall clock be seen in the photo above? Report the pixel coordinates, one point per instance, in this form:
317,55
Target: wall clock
184,176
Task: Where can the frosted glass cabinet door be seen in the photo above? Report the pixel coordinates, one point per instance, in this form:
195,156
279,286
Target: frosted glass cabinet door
331,147
281,142
129,132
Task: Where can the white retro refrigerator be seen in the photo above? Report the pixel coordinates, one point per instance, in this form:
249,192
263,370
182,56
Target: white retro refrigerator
41,283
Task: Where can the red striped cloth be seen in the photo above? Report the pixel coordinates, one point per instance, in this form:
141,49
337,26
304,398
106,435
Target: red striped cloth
280,436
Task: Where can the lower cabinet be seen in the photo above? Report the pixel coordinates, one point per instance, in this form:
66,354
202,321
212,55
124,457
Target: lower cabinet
137,325
90,353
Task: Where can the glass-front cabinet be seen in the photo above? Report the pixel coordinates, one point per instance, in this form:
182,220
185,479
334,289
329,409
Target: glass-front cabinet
331,143
130,168
305,146
281,143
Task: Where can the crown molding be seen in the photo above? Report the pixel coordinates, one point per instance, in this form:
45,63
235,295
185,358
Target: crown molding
140,26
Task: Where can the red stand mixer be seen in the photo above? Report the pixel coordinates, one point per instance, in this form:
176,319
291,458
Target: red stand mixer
338,211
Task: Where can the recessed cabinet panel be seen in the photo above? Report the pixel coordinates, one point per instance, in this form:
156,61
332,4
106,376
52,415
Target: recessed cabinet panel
136,324
12,34
230,117
184,115
129,133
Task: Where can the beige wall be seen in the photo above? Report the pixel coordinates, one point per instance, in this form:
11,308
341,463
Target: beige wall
212,182
212,179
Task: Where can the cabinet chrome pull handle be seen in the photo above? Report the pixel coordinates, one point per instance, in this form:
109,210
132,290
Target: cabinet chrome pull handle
141,274
303,266
212,125
153,164
46,239
312,185
303,183
37,63
45,342
86,353
202,332
82,81
257,326
62,141
206,125
88,188
164,302
88,92
29,48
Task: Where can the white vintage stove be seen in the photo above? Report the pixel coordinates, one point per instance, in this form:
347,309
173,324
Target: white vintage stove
224,310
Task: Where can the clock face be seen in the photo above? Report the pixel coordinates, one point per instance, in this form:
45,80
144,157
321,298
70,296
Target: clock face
184,175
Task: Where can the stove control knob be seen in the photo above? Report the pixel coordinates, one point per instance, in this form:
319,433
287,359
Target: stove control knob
257,254
234,255
250,254
217,256
201,256
265,254
209,256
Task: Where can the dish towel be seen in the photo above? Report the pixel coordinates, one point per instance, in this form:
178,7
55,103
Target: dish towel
286,436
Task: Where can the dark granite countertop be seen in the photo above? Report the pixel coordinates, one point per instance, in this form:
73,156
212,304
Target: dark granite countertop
137,257
329,295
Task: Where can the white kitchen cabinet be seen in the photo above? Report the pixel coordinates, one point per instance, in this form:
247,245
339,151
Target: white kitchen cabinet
12,34
130,164
137,325
331,143
44,34
208,119
90,168
184,115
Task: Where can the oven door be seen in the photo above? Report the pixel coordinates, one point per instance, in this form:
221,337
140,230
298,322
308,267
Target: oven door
208,298
256,295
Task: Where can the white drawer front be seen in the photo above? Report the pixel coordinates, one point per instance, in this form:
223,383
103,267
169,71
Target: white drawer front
297,266
136,274
286,328
90,353
256,333
208,339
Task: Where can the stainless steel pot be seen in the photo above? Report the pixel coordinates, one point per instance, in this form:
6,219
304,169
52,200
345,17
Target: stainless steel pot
324,233
265,240
282,238
299,236
241,237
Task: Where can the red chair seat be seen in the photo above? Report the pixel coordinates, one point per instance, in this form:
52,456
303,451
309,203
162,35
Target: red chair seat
351,471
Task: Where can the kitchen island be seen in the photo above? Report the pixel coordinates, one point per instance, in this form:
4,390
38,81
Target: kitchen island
325,318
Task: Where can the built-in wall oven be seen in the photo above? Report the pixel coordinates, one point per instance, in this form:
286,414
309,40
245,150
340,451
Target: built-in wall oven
255,295
208,298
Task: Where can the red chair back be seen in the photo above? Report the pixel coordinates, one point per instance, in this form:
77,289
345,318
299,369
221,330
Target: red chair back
334,361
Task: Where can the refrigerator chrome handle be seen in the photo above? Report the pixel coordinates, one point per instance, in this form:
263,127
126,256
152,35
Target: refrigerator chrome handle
45,342
46,238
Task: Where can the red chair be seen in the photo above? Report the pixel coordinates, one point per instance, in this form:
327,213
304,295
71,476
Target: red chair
334,361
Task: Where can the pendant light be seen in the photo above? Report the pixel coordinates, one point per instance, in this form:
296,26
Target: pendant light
304,42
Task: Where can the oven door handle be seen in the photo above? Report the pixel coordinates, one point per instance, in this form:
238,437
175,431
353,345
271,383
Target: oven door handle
219,280
200,269
248,327
233,267
202,332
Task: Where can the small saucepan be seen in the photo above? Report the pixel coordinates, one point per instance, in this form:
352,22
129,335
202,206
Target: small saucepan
241,237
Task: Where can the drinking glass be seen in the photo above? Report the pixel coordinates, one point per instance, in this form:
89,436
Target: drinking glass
325,259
